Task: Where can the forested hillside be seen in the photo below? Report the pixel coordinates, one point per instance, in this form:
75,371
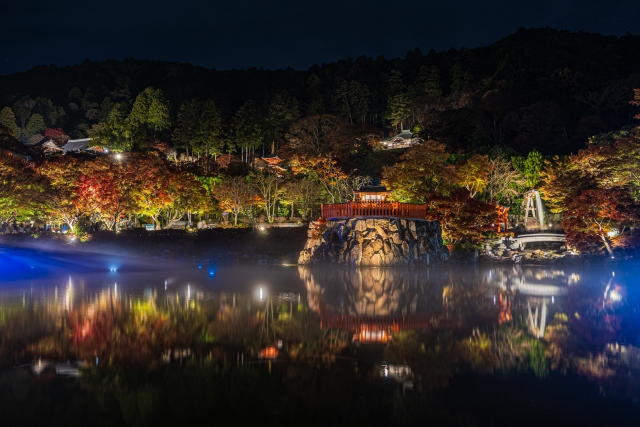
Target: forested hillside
545,89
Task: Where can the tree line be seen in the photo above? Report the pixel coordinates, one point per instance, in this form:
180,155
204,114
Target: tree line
539,88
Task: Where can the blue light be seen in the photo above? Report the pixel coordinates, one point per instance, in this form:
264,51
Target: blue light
211,273
113,269
199,265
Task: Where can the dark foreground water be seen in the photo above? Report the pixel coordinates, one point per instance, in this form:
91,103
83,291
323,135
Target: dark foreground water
102,340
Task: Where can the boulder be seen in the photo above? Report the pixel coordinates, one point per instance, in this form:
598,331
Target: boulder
367,253
381,232
405,249
388,258
395,238
376,260
355,254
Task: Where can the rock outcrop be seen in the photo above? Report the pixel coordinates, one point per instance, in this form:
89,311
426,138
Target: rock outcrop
374,242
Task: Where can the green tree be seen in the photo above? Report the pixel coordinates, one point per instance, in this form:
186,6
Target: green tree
187,124
159,118
23,108
530,167
433,86
459,79
247,129
115,133
8,120
148,117
395,84
208,134
398,100
35,125
282,113
354,101
398,109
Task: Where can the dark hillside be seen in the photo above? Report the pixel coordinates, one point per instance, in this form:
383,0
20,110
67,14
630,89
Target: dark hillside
538,88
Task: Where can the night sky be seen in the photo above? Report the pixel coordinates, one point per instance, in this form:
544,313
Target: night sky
279,34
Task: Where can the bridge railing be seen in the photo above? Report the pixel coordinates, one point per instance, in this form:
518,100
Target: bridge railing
373,210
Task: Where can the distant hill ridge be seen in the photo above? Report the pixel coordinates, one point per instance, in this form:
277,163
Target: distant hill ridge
529,66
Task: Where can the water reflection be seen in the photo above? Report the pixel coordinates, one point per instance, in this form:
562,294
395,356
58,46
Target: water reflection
433,322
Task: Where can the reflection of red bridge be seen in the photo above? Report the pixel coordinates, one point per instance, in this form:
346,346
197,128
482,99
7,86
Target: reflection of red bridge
373,328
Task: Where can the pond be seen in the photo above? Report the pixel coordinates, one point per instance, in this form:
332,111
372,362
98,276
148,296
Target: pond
102,339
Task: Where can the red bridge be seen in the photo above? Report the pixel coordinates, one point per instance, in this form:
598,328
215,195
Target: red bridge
374,210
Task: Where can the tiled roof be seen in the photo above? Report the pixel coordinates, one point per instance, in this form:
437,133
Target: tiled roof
76,145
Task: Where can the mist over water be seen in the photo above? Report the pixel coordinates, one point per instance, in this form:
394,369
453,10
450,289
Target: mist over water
143,314
28,268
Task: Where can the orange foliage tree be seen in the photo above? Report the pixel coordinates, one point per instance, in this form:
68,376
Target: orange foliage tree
22,189
597,191
63,175
422,172
105,191
234,195
464,220
592,214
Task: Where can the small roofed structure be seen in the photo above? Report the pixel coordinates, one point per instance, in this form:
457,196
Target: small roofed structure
371,194
402,140
76,145
50,147
273,162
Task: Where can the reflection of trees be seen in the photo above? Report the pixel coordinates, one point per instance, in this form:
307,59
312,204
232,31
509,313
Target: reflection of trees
116,330
434,356
22,324
279,394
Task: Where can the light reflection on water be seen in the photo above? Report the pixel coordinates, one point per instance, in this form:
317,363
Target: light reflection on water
59,307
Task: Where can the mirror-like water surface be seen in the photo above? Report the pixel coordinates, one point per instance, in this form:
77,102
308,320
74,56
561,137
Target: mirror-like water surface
151,342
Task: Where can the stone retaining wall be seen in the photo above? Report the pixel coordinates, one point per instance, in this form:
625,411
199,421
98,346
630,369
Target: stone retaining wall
374,242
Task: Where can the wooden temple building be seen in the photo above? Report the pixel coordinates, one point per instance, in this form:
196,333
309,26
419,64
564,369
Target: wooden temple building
370,201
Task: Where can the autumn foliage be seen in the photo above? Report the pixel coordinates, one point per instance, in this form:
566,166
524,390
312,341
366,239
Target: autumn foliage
597,193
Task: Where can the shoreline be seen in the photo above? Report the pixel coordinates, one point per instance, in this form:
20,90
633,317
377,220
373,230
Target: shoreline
227,246
241,246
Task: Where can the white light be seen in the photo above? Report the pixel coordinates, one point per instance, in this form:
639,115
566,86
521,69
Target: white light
118,156
260,294
615,296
